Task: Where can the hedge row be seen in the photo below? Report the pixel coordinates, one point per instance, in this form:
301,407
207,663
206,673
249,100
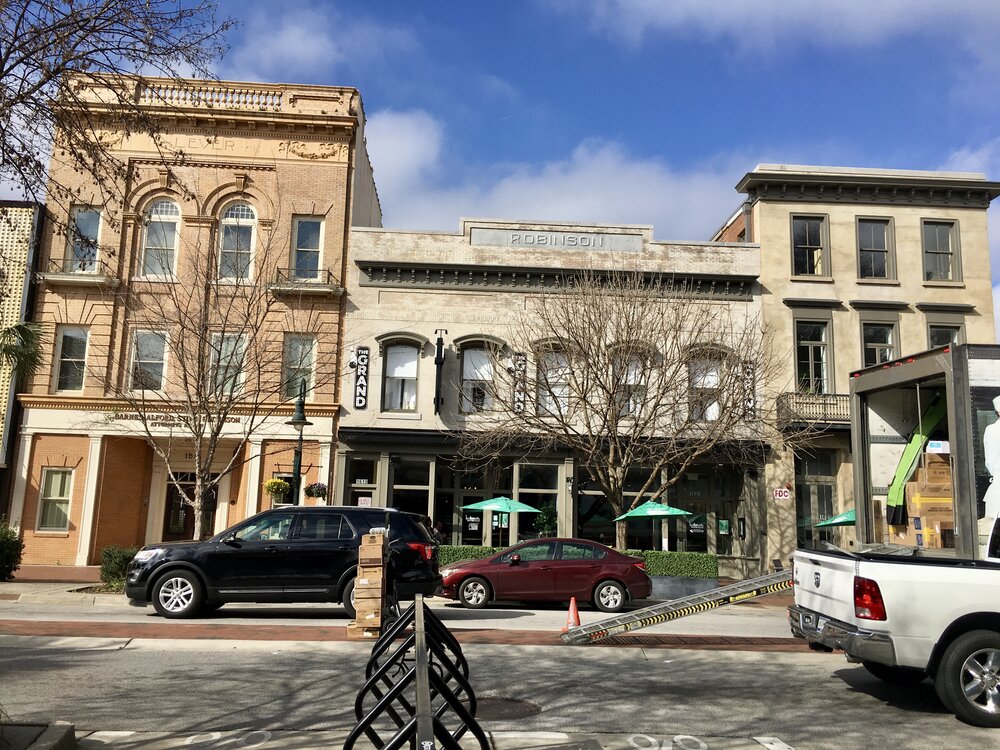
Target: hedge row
678,564
114,560
11,549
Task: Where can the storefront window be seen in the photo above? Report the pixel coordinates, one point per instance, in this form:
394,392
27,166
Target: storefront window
361,478
411,478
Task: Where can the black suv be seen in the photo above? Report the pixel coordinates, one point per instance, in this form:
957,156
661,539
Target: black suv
294,554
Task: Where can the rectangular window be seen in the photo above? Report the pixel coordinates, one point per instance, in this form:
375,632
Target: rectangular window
308,239
874,249
808,246
72,342
227,363
477,380
553,383
631,390
400,386
81,249
160,239
940,246
299,359
877,341
938,335
705,377
149,352
811,356
53,512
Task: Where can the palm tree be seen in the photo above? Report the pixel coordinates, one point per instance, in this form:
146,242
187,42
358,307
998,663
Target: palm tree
21,348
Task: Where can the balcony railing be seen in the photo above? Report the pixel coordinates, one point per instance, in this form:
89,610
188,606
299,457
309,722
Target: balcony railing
211,96
319,282
814,408
78,272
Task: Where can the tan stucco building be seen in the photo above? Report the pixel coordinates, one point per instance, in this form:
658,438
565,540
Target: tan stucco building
858,267
239,212
424,306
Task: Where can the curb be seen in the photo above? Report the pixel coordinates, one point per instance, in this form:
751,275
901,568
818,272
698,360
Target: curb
59,735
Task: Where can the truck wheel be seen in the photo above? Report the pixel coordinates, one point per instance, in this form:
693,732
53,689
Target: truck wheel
895,675
968,678
178,594
347,599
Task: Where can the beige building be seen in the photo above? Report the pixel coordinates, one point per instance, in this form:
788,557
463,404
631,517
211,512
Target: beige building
423,310
217,281
858,267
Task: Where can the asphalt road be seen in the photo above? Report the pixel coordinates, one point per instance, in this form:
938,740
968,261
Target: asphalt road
647,697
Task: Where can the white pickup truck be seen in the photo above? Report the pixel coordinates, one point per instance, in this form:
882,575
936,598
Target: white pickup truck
907,618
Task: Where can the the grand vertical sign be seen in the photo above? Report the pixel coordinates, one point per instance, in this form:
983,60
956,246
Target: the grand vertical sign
362,356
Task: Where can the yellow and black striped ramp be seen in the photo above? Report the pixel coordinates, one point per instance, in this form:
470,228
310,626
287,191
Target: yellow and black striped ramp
677,608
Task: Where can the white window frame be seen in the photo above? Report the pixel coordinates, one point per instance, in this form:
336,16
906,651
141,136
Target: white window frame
72,236
468,405
238,222
217,343
149,219
631,384
40,512
704,396
553,381
60,332
134,359
415,380
287,368
296,221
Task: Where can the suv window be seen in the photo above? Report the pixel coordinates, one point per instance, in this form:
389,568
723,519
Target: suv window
324,526
266,529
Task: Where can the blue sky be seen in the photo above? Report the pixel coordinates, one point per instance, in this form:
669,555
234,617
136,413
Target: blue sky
635,111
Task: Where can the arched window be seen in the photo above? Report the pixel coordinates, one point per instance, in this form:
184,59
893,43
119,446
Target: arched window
399,377
705,374
237,234
477,378
553,383
159,247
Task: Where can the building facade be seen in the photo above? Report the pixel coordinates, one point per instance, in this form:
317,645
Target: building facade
858,267
425,308
20,229
199,303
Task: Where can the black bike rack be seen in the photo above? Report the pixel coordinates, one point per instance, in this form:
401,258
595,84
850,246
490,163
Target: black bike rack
416,686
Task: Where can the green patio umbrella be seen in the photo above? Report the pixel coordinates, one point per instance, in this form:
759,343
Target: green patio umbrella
844,519
652,509
501,505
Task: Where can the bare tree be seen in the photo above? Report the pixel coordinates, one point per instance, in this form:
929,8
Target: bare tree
52,52
208,359
634,375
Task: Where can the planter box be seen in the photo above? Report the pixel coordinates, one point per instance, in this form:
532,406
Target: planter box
674,587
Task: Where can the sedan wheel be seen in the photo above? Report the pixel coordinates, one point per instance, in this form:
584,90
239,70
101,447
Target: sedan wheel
178,594
609,596
474,593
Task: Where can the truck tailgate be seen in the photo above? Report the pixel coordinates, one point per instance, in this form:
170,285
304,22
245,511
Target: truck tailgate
824,583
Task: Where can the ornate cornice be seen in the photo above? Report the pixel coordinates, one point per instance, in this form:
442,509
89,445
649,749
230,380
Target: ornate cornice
186,162
390,274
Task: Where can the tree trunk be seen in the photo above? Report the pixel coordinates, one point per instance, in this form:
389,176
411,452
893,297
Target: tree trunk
197,504
620,531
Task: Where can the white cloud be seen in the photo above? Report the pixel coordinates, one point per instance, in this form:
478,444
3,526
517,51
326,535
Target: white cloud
295,42
754,25
600,181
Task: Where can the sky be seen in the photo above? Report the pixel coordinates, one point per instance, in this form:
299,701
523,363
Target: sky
635,111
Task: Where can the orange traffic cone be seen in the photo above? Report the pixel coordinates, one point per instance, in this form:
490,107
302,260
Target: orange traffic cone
573,617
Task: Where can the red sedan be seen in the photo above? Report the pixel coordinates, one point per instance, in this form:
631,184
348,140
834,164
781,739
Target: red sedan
549,570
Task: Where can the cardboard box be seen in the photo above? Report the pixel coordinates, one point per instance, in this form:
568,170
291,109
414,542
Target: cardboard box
934,468
937,507
370,558
368,592
371,577
372,540
356,632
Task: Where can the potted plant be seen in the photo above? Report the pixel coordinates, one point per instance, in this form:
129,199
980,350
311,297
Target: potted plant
278,489
316,489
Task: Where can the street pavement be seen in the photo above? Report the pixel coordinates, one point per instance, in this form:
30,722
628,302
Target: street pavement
60,616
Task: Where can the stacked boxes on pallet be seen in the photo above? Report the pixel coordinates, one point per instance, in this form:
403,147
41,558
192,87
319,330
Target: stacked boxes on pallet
369,588
930,505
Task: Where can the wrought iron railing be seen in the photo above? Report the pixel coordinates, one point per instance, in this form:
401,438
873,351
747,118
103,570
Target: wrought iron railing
828,408
90,266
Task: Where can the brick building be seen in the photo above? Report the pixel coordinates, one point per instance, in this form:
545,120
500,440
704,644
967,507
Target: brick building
217,281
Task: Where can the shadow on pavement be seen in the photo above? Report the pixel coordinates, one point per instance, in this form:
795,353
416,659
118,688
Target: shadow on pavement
919,698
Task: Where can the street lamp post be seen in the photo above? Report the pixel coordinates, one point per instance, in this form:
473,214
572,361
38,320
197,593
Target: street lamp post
298,421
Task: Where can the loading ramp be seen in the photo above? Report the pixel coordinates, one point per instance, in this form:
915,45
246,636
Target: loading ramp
674,609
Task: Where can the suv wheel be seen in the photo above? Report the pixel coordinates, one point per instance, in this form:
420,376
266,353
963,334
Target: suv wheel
968,678
347,599
178,594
